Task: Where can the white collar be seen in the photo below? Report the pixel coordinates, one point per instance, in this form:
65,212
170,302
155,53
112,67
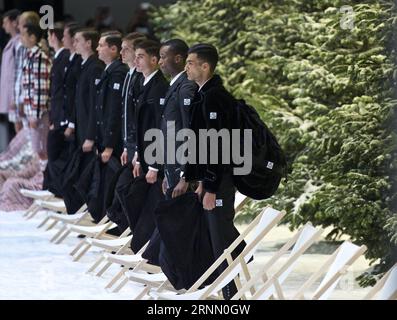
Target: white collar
149,77
72,56
58,52
109,65
176,78
204,84
132,70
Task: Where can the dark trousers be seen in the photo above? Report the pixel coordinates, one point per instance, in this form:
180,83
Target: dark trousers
221,227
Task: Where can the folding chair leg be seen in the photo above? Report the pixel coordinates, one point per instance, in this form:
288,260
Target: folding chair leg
143,293
63,237
60,231
82,252
77,248
96,264
52,225
30,209
42,223
32,213
121,285
104,268
115,278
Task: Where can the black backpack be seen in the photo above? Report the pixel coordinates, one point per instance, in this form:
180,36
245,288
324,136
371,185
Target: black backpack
269,164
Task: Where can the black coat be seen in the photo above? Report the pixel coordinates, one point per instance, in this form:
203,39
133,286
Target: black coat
213,108
93,185
90,71
177,106
185,249
149,111
57,93
105,120
76,165
139,201
72,74
130,96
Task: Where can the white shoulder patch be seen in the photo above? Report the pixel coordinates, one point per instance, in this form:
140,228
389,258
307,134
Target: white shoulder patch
213,115
186,102
162,101
116,86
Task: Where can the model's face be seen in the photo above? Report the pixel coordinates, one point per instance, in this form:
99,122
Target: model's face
143,62
28,41
127,53
167,60
194,67
105,53
9,25
68,40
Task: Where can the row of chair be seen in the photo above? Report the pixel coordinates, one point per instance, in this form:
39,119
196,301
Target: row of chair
261,285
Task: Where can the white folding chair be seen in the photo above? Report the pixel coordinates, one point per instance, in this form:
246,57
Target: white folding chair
334,268
253,234
385,288
122,242
272,284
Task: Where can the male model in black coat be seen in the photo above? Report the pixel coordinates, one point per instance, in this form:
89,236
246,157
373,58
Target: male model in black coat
131,88
104,128
176,113
213,109
91,69
150,104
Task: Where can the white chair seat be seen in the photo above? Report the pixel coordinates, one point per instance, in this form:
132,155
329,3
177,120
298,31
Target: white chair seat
177,296
123,259
57,205
36,194
89,230
146,277
66,218
109,244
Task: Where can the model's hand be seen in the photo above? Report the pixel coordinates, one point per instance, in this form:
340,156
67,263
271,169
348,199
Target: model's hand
180,188
106,154
209,201
151,176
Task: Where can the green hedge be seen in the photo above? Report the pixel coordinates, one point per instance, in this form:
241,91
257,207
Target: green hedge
327,93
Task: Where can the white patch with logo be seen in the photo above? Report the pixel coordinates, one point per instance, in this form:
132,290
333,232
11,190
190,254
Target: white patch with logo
186,102
97,81
213,115
116,86
218,203
162,101
270,165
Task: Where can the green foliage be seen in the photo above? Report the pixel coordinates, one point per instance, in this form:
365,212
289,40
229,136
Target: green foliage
329,96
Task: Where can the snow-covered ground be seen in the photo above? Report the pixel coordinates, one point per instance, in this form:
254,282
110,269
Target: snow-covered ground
33,268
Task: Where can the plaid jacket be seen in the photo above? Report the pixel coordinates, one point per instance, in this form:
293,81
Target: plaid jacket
36,83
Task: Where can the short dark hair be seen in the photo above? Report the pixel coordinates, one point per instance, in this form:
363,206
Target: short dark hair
151,47
207,53
90,34
72,27
113,38
133,35
177,46
12,14
58,30
34,29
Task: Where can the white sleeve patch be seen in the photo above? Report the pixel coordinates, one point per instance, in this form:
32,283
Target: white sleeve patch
186,102
213,115
162,101
116,86
97,81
